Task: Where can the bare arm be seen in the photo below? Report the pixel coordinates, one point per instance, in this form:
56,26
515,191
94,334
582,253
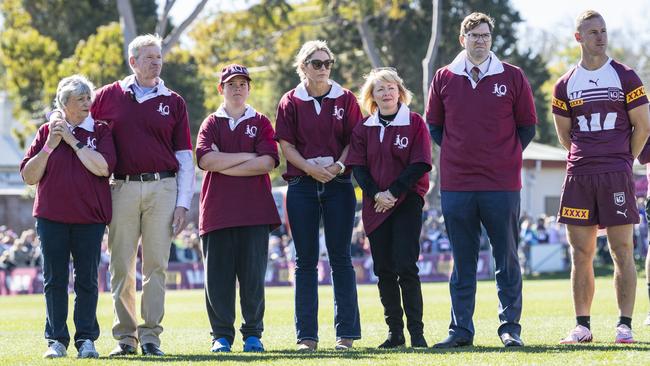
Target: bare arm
91,159
293,156
335,168
258,166
217,161
640,119
563,128
35,167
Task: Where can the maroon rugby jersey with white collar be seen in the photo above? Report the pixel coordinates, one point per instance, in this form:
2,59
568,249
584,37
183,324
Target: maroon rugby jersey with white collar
68,192
146,134
228,201
316,129
386,152
597,102
480,149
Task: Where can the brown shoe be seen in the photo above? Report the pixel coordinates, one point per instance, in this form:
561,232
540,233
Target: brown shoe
343,344
307,345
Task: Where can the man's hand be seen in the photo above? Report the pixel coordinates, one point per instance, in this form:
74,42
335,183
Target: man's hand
384,201
180,220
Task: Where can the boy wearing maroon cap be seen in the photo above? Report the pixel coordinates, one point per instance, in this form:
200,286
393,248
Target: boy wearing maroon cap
601,116
236,149
481,113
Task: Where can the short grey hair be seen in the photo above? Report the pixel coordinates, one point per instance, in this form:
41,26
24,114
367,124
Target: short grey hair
305,53
74,85
143,41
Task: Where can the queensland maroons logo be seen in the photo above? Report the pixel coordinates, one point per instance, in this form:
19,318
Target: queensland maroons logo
251,131
163,109
619,198
401,142
338,113
91,142
499,90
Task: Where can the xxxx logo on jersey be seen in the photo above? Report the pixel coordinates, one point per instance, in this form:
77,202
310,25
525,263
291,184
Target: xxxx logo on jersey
635,94
575,213
558,103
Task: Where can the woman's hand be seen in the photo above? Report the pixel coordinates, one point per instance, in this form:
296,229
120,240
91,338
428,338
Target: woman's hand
384,201
66,134
319,173
53,136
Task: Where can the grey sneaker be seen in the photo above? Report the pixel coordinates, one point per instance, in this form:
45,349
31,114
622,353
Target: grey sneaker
55,350
87,350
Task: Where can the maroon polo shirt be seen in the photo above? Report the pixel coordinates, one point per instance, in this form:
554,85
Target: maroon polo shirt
146,134
68,192
480,149
316,130
386,152
597,102
228,201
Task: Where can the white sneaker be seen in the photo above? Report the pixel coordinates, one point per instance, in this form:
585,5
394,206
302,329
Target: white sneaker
579,334
624,334
55,350
87,350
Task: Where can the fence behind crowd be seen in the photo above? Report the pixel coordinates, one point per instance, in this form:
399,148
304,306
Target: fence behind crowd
433,267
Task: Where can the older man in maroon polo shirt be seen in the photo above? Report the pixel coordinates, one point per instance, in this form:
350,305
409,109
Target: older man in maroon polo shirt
481,113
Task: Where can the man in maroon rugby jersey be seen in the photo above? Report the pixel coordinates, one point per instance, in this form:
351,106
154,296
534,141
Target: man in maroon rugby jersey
601,116
481,113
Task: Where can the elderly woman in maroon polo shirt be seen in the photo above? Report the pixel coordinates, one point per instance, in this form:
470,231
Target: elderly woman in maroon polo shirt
70,160
314,124
390,155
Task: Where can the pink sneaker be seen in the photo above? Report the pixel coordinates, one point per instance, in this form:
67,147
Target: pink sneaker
624,334
579,334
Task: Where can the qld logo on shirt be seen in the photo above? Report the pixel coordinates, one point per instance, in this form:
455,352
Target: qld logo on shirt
401,142
163,109
251,131
499,90
338,113
91,142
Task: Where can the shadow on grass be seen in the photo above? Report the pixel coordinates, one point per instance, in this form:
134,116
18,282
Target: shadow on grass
371,353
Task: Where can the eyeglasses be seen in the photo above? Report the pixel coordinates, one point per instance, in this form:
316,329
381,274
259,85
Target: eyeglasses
317,64
475,36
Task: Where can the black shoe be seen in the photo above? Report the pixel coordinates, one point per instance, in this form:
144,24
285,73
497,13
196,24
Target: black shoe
418,341
454,341
511,340
394,340
123,350
150,349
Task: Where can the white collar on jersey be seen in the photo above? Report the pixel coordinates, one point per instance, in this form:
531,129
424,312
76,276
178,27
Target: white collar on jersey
87,124
458,66
302,94
221,113
160,89
403,118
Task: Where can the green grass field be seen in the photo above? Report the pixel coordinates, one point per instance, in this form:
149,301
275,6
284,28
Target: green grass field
186,340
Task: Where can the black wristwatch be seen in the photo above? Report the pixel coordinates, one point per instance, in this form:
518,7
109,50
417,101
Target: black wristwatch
80,145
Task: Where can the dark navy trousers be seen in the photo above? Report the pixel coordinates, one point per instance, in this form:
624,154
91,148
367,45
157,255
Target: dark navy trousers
464,212
59,242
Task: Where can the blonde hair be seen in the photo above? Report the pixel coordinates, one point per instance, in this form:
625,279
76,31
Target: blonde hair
586,15
474,20
387,75
143,41
308,49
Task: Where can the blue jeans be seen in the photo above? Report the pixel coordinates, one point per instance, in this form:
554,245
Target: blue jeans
307,201
464,213
58,242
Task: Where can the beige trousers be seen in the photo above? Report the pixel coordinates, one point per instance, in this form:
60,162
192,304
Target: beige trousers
141,210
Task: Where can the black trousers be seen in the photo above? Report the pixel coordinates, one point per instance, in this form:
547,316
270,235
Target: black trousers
395,250
231,255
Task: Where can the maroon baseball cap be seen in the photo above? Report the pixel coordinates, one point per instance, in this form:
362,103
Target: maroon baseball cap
233,70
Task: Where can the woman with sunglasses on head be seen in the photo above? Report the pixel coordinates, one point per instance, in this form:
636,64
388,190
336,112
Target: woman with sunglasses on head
390,155
314,124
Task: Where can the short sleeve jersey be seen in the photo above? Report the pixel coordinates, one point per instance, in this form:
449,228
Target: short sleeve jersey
228,201
316,129
68,192
386,152
597,102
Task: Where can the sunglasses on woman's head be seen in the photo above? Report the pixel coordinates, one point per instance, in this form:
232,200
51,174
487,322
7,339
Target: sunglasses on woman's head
317,64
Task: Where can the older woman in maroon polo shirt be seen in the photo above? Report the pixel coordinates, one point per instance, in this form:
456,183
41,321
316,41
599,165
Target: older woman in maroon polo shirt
71,160
390,155
314,124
